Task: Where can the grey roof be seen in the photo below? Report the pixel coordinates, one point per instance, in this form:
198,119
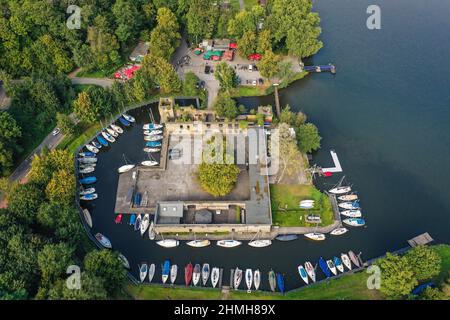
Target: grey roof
170,209
203,216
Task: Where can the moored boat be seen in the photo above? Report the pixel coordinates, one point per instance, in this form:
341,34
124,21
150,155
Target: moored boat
87,191
237,278
151,126
249,279
348,197
124,261
165,271
126,168
152,132
257,279
340,190
89,197
96,144
196,274
287,237
104,241
86,170
116,128
112,132
198,243
168,243
145,223
151,150
143,269
205,273
349,205
137,223
228,243
354,222
108,137
188,274
272,280
118,218
310,271
88,180
338,263
346,261
338,231
317,236
128,117
151,231
331,266
153,138
91,148
87,217
102,141
87,154
351,213
153,144
354,258
87,160
149,163
173,273
260,243
280,282
132,219
303,274
324,267
151,272
215,274
124,122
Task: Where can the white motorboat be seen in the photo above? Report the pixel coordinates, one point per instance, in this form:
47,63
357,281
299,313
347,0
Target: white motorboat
87,160
149,163
249,279
87,191
237,278
351,213
205,273
108,137
152,132
331,266
116,128
87,217
168,243
91,148
89,197
338,231
303,274
87,170
260,243
128,118
215,274
257,279
173,273
199,243
228,243
348,197
143,269
354,222
349,205
151,150
104,241
126,168
124,261
112,132
86,165
315,236
308,205
340,190
153,138
152,126
151,231
346,261
310,271
151,272
145,223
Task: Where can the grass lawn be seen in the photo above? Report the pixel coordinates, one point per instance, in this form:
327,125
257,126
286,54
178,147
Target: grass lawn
139,292
249,91
444,252
72,142
285,205
92,74
250,3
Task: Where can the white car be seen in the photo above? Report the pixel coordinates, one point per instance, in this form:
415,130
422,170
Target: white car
250,67
56,132
254,83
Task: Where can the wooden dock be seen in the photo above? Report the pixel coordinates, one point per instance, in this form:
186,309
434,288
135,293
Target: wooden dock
337,164
420,240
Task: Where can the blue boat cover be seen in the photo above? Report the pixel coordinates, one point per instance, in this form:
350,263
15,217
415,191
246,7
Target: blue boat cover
324,267
280,282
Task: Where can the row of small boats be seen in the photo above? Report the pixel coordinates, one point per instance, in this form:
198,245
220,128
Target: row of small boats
349,206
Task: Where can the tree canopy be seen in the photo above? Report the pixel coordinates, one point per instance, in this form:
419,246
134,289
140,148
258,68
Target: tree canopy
308,137
225,106
226,76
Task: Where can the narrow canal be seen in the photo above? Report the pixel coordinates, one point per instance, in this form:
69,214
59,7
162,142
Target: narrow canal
387,115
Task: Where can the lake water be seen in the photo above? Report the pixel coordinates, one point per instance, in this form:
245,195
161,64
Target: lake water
386,113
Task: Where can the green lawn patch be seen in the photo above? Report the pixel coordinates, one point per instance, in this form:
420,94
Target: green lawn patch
285,201
140,292
249,91
72,142
250,3
443,250
92,74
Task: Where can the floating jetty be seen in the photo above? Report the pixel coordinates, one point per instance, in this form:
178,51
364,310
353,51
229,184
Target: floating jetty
321,68
337,165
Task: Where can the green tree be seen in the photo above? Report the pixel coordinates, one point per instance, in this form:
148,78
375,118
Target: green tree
128,20
397,278
190,84
106,265
85,109
226,76
24,201
424,262
61,187
165,37
432,294
308,137
201,18
247,44
264,42
9,134
225,106
269,65
45,164
65,123
218,179
92,288
53,261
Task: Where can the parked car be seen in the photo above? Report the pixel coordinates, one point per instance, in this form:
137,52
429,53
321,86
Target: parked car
207,69
254,83
250,67
56,132
261,81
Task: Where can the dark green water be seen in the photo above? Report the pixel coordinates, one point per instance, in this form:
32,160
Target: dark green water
386,113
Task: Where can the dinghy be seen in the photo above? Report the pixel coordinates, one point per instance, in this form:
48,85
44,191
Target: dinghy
173,273
102,141
303,274
165,271
124,122
323,265
91,148
346,261
124,261
340,190
86,170
351,213
89,197
188,273
249,279
145,223
196,274
315,236
349,205
104,241
151,126
108,137
228,243
280,282
151,150
151,272
126,168
198,243
149,163
112,132
354,258
354,222
86,165
151,231
153,144
215,274
116,128
152,132
87,217
310,271
338,231
132,219
272,281
348,197
287,237
96,144
237,278
87,191
88,180
307,206
143,269
168,243
257,279
338,263
128,118
87,160
118,218
153,138
137,223
87,154
260,243
205,273
331,266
